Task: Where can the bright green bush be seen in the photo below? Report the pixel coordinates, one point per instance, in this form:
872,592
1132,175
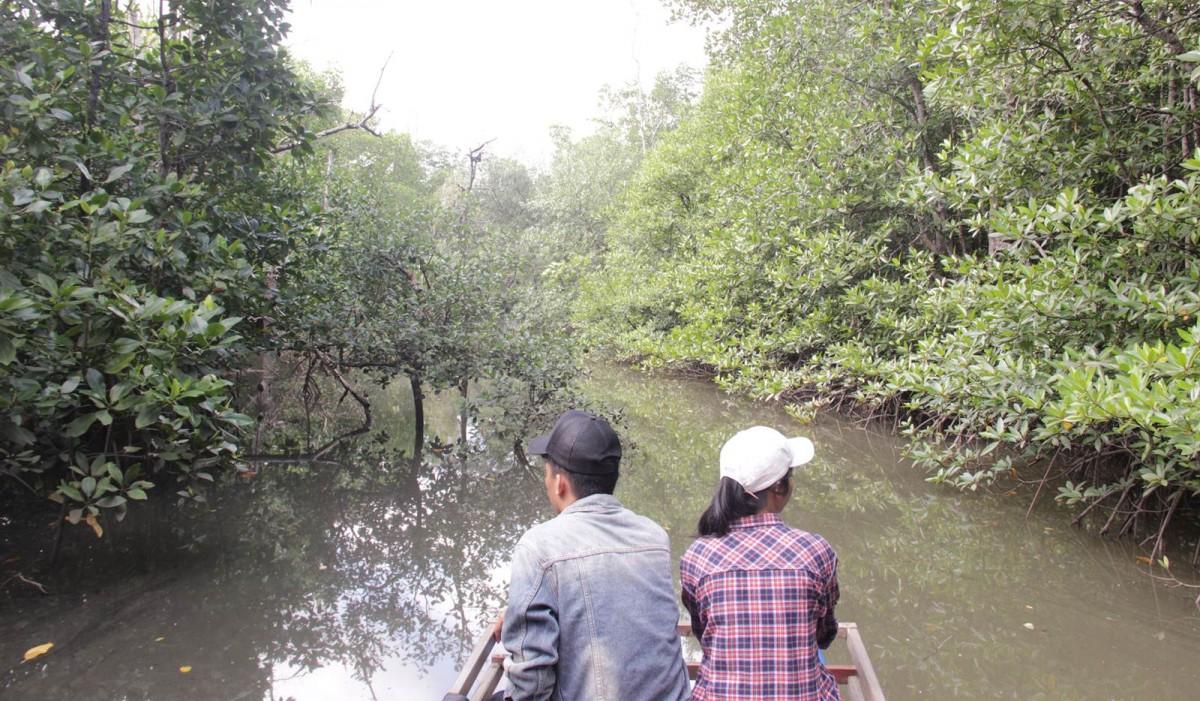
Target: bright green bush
974,219
140,208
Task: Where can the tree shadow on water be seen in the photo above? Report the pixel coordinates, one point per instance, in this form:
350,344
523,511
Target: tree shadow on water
364,565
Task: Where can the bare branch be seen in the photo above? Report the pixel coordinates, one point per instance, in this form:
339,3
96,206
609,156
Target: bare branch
363,124
475,156
22,578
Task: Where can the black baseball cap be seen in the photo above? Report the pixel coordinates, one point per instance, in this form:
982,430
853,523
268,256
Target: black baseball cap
580,442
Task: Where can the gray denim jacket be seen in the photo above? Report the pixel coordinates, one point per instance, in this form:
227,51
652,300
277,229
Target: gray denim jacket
591,609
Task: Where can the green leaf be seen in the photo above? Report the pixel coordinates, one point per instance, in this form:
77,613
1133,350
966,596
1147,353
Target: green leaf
110,501
95,380
118,172
79,426
239,420
71,491
15,434
139,216
8,351
118,391
147,416
121,346
117,363
136,494
87,485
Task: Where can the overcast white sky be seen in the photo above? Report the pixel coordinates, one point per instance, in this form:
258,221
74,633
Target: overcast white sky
465,71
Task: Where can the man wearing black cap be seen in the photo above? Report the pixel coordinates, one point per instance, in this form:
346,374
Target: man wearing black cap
591,605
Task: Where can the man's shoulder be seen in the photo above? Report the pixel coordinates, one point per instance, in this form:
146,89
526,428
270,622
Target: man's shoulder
645,523
533,541
570,532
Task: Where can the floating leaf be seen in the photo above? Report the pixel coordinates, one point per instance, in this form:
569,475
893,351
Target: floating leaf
185,668
37,651
95,524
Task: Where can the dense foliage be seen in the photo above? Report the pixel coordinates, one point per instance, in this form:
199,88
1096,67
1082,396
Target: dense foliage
976,219
182,206
139,207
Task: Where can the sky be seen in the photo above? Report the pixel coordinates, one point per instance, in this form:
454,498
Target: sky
465,71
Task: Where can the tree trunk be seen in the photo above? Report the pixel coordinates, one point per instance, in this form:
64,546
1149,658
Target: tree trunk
414,379
463,389
101,37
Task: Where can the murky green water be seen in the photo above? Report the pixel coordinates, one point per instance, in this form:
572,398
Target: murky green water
366,580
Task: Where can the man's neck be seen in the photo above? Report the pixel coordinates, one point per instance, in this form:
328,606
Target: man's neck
564,501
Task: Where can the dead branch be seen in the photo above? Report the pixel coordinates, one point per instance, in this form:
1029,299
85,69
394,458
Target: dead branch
22,578
363,124
330,366
475,157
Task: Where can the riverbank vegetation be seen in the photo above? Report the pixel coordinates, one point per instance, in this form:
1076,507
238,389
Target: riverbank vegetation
182,204
975,220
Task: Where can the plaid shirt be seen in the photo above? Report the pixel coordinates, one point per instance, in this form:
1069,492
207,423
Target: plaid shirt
761,600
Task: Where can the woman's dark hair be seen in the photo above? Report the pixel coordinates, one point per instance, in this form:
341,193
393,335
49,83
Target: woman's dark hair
732,502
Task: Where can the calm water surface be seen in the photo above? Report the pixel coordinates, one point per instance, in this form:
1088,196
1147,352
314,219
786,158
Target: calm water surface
367,580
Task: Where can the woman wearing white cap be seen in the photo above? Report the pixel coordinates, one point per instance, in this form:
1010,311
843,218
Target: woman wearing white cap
760,593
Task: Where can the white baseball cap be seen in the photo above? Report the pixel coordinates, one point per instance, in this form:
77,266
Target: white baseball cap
760,456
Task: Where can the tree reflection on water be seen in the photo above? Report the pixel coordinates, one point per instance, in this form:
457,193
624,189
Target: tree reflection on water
360,561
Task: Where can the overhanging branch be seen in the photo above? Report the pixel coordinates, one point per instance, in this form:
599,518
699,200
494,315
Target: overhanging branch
363,124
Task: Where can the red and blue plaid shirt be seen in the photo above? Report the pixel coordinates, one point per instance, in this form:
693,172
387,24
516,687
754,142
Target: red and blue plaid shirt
761,600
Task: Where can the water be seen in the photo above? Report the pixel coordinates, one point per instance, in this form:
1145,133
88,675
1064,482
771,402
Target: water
366,580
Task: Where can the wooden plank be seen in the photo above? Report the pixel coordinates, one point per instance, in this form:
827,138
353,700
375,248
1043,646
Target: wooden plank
872,691
479,655
488,681
854,690
858,678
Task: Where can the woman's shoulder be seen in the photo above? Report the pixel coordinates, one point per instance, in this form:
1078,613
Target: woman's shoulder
704,552
809,546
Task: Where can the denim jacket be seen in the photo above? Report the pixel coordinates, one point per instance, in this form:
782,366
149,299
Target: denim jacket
591,609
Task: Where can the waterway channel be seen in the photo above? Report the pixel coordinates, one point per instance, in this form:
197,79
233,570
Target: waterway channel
366,579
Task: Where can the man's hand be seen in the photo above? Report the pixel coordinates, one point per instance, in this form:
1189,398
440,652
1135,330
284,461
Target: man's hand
498,627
